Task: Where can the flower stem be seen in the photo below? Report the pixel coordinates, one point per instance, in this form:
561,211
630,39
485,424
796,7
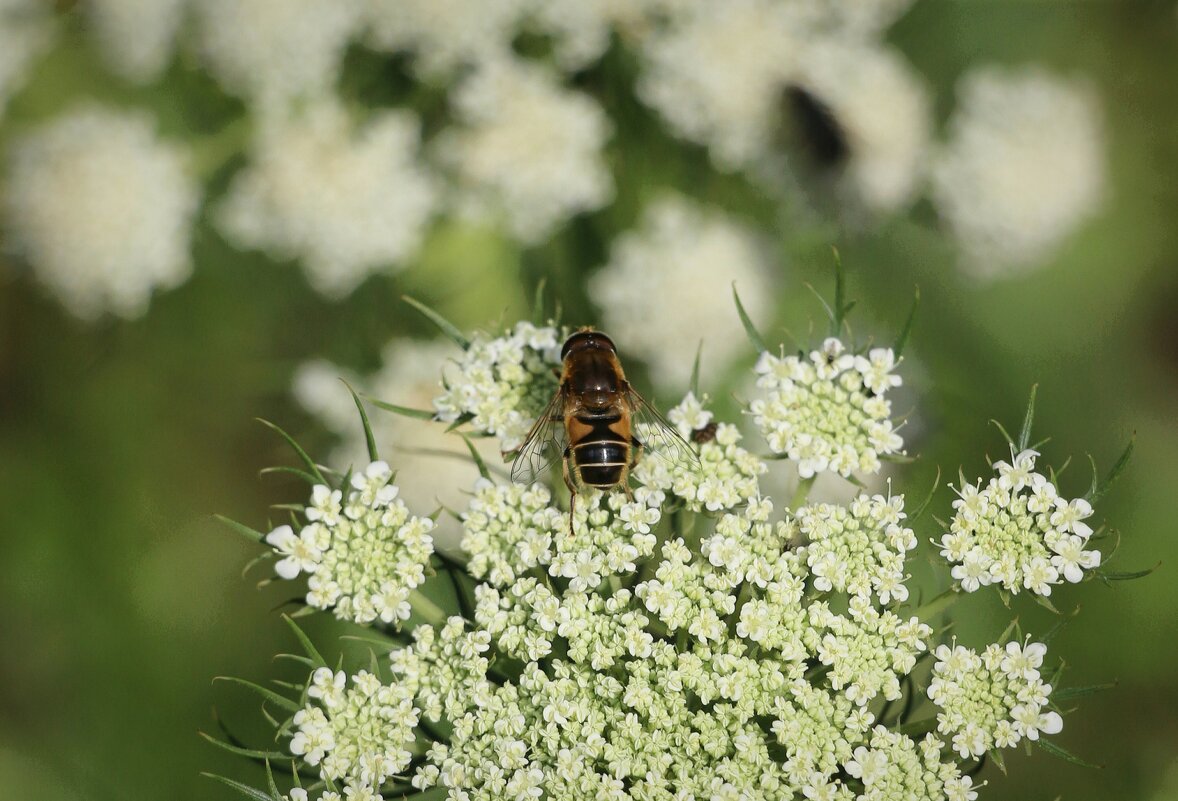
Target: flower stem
802,492
937,605
427,609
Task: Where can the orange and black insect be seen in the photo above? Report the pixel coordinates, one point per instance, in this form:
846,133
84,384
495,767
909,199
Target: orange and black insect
592,422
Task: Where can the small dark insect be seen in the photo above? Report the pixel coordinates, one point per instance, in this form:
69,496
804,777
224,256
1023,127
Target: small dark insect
817,129
705,434
589,425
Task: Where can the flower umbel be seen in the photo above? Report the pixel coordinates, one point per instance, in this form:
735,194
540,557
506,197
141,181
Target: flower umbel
500,385
364,551
829,412
1018,532
686,638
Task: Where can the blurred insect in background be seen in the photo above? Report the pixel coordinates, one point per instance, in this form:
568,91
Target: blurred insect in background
591,422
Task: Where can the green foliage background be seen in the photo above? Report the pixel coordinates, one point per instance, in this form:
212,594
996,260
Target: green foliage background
121,598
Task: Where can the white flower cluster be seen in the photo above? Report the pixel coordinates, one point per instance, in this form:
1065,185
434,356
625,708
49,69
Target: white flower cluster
892,766
1023,167
881,110
991,700
1018,532
829,412
525,149
364,552
347,200
360,734
869,651
725,476
274,51
860,548
719,72
667,267
445,670
581,29
434,466
502,384
137,37
735,656
102,209
509,529
444,35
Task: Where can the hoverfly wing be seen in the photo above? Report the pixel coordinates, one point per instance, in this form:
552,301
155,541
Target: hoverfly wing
657,435
543,446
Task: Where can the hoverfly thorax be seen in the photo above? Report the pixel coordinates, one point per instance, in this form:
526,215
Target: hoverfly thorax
592,373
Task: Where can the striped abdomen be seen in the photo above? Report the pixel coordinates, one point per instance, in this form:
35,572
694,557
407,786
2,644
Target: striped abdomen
601,457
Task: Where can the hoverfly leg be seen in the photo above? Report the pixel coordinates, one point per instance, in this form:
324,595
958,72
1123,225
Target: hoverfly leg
568,482
636,447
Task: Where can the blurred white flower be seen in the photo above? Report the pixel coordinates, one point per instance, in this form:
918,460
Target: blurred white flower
445,34
525,148
581,29
26,29
678,267
136,36
102,209
880,111
729,75
433,467
346,199
851,18
717,74
273,50
1023,167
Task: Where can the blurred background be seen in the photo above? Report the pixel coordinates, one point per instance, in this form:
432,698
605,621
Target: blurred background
212,208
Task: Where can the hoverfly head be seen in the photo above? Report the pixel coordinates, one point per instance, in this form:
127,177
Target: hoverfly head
586,339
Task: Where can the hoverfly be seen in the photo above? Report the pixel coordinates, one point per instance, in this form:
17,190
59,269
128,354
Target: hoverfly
591,422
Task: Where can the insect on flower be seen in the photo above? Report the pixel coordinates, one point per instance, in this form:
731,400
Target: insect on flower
591,422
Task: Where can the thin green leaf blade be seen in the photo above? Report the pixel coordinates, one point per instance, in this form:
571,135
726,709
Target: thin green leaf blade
749,329
239,751
840,293
1068,693
445,326
1128,575
1064,754
312,468
484,471
1024,436
305,641
538,301
928,499
279,700
404,411
247,791
1099,488
369,439
695,369
902,339
250,534
294,471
